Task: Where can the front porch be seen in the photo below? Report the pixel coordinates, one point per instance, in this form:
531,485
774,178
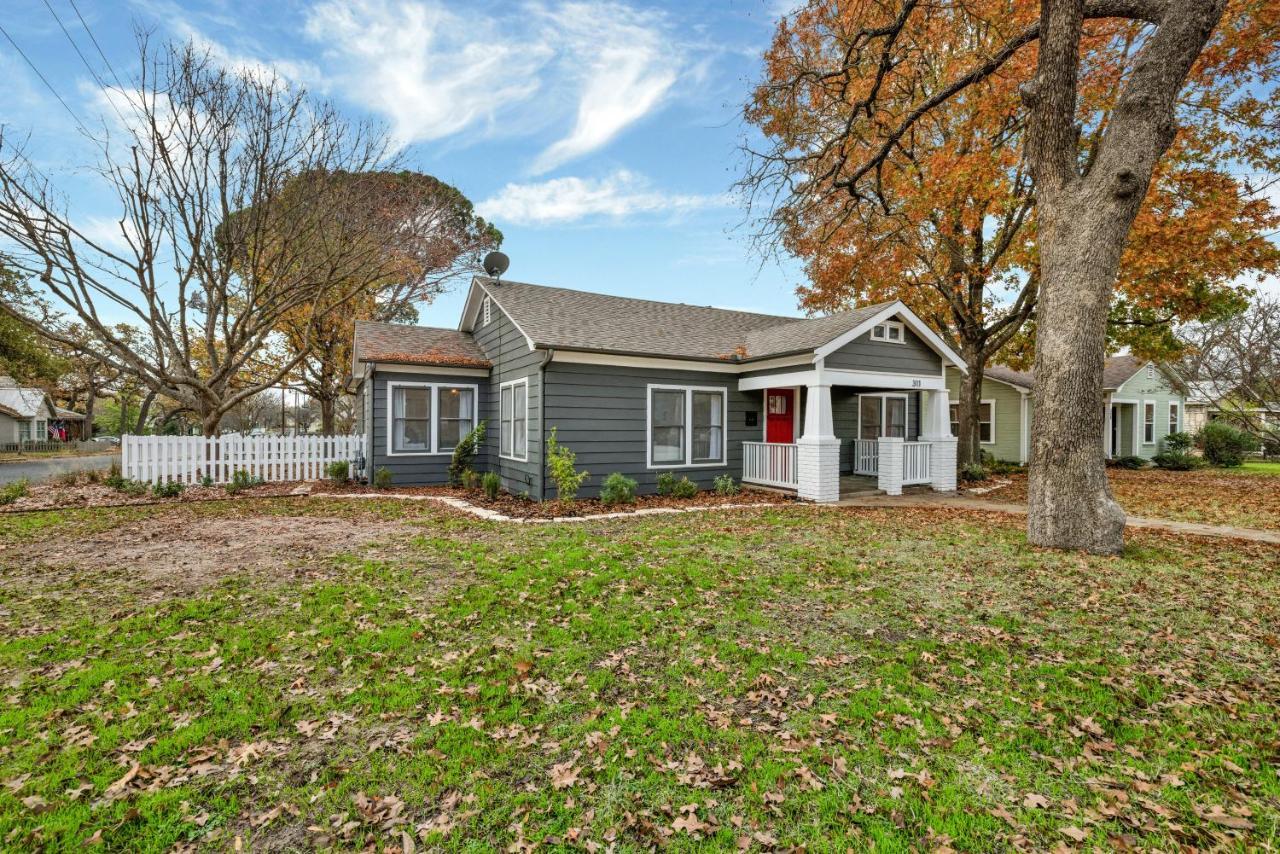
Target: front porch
897,434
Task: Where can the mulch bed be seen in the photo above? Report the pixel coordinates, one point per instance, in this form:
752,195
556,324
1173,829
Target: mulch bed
526,508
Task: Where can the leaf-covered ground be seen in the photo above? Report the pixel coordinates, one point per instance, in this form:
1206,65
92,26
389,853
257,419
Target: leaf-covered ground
1243,498
832,678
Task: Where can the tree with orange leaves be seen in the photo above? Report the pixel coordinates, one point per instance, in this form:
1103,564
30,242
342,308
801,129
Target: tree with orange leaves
988,162
956,237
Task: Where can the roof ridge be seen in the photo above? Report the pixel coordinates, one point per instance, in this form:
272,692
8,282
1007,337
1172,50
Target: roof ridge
500,285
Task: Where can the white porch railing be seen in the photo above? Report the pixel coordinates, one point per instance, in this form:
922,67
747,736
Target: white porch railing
866,457
771,464
915,463
188,459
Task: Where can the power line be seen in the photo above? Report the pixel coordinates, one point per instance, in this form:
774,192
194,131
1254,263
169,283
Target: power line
45,81
97,78
97,46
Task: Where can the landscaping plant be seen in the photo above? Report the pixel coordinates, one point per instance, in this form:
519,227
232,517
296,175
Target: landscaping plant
166,488
684,488
725,485
470,479
972,472
464,454
560,463
382,478
1224,445
11,492
618,489
242,480
1131,462
491,484
666,483
338,471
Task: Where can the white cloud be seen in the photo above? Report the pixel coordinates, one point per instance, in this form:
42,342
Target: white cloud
625,65
560,200
434,72
430,71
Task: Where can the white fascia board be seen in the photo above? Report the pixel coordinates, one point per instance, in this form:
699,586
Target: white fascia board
918,326
471,308
442,370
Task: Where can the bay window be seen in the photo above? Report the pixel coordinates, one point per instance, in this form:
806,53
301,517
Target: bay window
686,426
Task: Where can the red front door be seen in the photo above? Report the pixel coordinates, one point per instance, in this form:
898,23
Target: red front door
780,416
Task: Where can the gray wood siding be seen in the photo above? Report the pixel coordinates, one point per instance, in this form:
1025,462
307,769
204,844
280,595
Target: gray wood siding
913,356
600,412
512,359
415,470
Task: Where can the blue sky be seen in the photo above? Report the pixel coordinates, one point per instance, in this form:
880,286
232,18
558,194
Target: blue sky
601,137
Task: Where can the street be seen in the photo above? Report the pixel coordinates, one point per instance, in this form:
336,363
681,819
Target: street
41,469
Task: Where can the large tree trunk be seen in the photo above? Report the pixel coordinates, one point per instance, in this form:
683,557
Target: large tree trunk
327,407
90,399
969,448
1069,502
143,411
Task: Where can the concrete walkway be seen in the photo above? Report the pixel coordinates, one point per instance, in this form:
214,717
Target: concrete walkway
928,499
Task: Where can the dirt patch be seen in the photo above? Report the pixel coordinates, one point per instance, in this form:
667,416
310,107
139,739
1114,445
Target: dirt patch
167,555
66,493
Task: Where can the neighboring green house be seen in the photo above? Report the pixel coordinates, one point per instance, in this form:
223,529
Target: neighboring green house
1142,406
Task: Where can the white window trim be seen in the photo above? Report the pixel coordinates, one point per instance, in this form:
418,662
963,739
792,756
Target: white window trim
884,412
688,390
1143,422
511,384
435,416
1175,417
990,401
883,328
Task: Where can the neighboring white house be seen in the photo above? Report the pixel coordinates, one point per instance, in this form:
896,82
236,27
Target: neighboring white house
1210,399
26,415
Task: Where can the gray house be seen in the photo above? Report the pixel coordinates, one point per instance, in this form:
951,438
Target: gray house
643,387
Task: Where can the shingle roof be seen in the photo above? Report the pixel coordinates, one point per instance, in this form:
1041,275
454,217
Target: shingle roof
1115,371
416,345
24,402
581,320
1022,379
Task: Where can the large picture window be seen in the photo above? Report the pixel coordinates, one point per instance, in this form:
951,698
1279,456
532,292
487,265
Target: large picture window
513,420
429,418
686,426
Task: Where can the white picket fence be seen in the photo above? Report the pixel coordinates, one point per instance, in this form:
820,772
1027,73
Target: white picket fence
188,459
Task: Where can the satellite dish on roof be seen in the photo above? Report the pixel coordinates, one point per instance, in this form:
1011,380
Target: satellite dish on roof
496,263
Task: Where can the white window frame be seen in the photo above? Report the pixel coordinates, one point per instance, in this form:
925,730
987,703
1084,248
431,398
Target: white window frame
488,310
880,332
884,412
1146,423
503,425
435,449
688,390
989,401
1175,417
1151,372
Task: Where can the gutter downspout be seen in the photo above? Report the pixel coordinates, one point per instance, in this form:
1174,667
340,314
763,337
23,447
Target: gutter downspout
542,421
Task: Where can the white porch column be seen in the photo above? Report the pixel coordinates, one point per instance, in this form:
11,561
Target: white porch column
818,449
890,477
942,445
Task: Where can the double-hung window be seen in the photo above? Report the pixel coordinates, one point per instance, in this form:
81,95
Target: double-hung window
513,420
429,418
686,426
986,421
1174,418
1149,423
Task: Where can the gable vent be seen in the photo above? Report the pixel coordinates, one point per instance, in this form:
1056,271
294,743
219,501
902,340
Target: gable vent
488,310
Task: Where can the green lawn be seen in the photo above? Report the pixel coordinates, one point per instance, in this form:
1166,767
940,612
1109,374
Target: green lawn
915,679
1258,467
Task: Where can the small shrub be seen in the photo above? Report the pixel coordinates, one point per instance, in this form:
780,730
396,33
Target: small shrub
132,488
666,483
206,481
1178,461
382,478
242,480
684,488
1131,462
166,489
1224,445
725,485
339,471
1177,442
93,476
67,478
464,454
11,492
470,479
971,472
618,489
560,462
491,484
995,466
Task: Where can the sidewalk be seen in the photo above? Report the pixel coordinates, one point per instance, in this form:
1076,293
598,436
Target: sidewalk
932,498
